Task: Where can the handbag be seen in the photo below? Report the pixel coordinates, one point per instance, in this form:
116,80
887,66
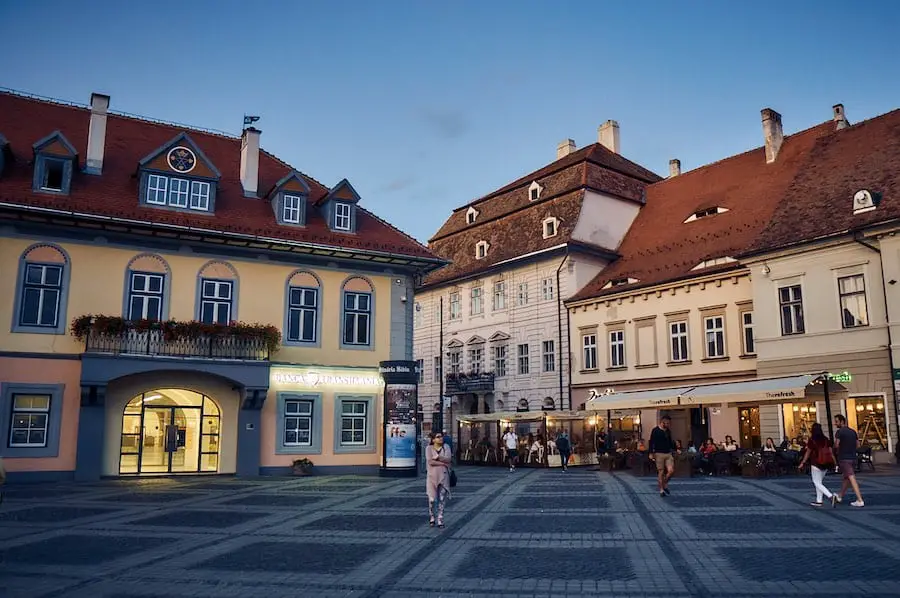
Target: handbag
825,458
452,478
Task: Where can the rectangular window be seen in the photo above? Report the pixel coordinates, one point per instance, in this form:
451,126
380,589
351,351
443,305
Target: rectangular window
199,196
790,301
157,186
30,421
678,336
291,211
524,366
298,422
420,370
747,324
714,327
500,361
455,306
852,292
342,216
455,361
353,423
523,293
216,301
357,318
549,356
617,348
54,174
589,348
499,296
476,360
178,192
547,289
303,312
437,368
145,299
477,301
41,293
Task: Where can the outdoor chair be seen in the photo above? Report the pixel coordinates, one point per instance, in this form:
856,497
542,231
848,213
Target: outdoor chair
721,462
864,456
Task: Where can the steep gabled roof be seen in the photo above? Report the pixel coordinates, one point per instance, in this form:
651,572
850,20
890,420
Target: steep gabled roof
660,246
25,120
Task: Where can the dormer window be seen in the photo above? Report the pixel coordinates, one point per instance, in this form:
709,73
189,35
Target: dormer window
339,208
341,216
54,160
53,175
288,199
617,282
534,191
291,207
481,250
471,216
178,176
550,227
706,213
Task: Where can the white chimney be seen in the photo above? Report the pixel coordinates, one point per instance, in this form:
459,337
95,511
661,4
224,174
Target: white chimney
565,147
608,136
674,167
250,161
840,118
772,132
96,144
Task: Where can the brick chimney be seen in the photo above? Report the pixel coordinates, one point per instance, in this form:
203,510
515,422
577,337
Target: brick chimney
608,136
96,145
674,167
250,161
840,118
565,147
772,132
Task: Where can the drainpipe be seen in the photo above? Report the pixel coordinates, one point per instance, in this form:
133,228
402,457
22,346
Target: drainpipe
858,238
559,306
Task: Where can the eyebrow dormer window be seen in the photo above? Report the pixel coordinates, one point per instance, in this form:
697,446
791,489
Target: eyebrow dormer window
341,216
706,213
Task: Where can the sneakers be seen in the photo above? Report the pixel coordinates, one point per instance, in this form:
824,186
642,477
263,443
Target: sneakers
835,499
858,504
662,494
815,504
666,490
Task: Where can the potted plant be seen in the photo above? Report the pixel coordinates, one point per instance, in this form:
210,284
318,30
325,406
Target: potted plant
302,467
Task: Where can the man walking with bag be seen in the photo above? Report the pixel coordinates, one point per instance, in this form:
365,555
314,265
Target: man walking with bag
661,446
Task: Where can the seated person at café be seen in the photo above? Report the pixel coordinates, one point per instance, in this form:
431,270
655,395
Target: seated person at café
704,460
770,446
729,444
784,444
641,446
797,444
679,448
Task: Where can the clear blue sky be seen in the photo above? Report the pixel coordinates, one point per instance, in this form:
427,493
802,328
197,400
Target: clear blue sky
425,105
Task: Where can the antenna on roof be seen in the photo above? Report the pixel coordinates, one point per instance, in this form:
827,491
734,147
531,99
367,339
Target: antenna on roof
249,120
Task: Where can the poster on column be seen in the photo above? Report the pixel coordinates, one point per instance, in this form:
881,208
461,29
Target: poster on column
400,425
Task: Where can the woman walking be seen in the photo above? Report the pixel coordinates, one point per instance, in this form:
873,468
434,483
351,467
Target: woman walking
821,458
437,482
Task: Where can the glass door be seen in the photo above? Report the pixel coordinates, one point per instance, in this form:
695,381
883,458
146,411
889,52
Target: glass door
751,437
157,439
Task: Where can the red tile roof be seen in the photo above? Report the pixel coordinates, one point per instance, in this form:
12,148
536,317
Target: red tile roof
25,120
819,202
660,246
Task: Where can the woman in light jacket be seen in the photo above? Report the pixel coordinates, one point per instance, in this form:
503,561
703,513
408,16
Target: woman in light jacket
437,483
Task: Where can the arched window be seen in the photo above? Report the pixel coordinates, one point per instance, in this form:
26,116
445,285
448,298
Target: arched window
147,288
548,404
357,309
43,286
523,405
302,314
218,292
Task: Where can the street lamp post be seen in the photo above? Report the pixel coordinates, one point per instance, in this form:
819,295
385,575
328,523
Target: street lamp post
825,377
440,397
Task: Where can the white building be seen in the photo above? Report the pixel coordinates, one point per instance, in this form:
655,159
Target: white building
516,254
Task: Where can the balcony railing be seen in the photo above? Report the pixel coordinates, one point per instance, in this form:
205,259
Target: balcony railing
155,343
462,383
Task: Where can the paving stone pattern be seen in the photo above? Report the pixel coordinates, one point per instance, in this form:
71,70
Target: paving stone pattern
529,533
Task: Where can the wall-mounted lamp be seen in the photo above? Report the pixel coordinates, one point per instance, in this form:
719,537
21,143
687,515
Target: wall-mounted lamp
766,270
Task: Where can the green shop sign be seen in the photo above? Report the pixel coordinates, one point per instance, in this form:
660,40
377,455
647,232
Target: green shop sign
844,377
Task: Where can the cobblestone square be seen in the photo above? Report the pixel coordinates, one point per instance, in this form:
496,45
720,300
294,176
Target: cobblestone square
529,533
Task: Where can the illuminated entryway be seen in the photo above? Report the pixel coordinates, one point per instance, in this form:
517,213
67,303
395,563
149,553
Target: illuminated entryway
170,431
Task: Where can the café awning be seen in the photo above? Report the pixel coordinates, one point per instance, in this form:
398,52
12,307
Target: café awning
524,416
657,398
785,389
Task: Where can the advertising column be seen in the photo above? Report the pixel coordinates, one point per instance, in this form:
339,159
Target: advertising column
400,404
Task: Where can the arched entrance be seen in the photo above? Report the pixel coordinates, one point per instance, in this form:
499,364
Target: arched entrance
170,431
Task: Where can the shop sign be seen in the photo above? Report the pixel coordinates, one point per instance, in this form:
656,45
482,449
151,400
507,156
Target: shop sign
845,377
325,378
781,394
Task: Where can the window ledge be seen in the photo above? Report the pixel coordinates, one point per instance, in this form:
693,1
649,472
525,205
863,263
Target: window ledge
793,333
357,347
680,362
646,366
715,359
298,450
747,356
307,344
590,371
618,368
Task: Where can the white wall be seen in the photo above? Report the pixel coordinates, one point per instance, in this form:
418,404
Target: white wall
604,220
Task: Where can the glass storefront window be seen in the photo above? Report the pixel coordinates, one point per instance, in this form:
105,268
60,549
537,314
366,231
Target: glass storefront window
626,431
798,421
750,432
867,416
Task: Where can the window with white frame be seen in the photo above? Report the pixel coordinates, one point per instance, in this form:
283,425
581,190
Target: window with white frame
714,327
524,365
145,296
303,313
291,208
589,351
420,370
481,249
500,360
499,295
357,318
678,336
455,306
549,356
547,289
298,422
354,423
341,216
747,329
852,294
522,296
30,421
179,192
200,196
551,226
41,293
476,359
790,303
157,189
437,367
616,348
455,359
477,301
216,301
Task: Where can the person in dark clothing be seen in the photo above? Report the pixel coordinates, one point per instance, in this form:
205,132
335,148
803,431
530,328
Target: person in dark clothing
661,447
564,448
845,445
